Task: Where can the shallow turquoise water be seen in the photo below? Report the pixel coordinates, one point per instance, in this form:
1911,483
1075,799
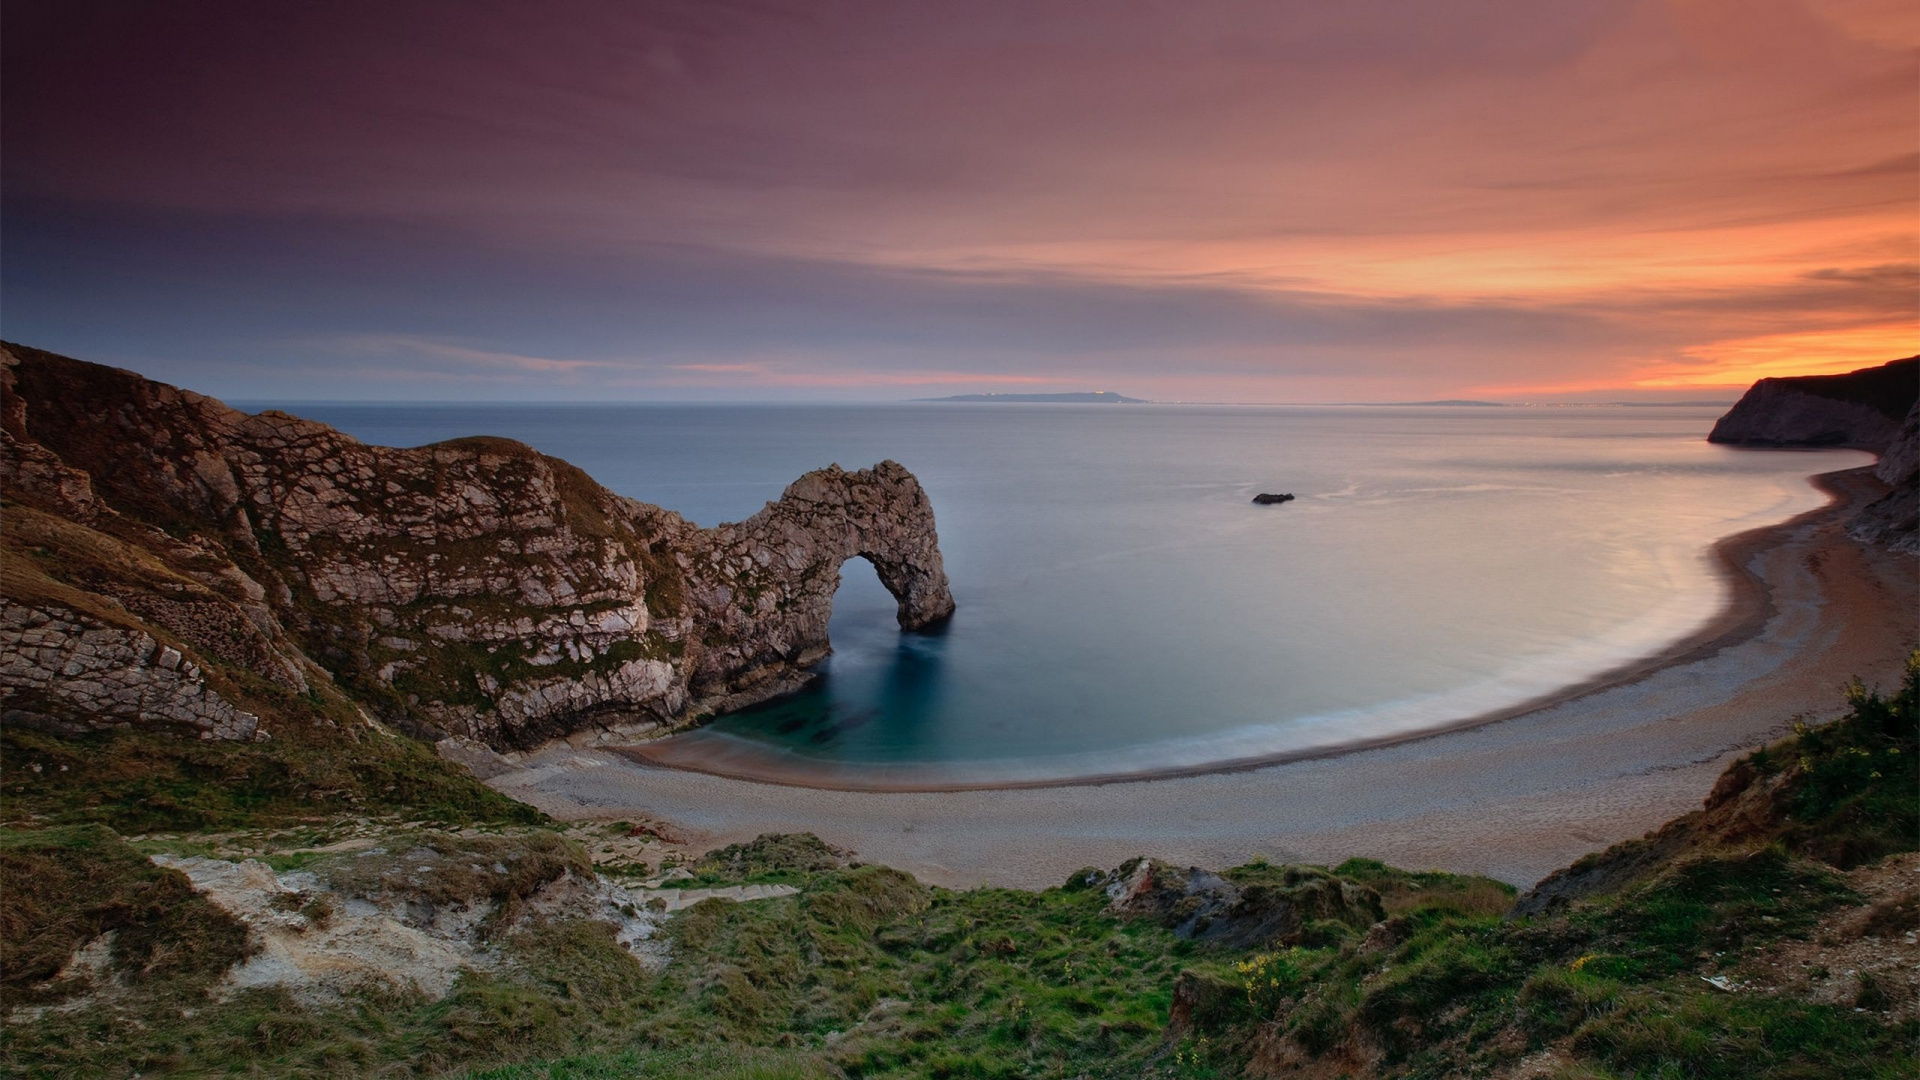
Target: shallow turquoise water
1122,605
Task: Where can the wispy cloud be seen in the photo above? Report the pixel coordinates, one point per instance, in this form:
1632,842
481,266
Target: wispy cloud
464,359
722,369
818,377
1211,199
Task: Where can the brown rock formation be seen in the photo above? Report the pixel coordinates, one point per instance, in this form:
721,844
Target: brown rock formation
1875,408
1861,409
1894,519
474,588
1251,907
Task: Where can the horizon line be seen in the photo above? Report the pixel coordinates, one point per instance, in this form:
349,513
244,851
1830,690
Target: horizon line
279,402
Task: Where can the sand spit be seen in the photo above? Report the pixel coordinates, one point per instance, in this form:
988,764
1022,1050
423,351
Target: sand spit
1510,796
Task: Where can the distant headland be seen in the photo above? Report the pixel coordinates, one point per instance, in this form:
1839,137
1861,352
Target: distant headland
1443,401
1085,397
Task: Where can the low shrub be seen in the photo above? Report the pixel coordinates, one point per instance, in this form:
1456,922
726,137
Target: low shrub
68,887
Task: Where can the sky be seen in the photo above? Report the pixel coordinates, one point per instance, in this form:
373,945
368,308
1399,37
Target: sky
815,200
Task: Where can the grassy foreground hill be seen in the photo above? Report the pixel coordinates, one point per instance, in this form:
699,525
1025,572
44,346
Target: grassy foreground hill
1770,934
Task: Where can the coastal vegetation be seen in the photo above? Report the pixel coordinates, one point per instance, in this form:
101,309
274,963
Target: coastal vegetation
224,853
1767,935
137,782
405,750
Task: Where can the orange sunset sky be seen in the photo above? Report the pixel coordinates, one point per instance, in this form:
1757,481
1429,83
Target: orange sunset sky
1199,201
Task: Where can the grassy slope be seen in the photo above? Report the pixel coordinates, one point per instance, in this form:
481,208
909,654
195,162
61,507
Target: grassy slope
146,782
868,973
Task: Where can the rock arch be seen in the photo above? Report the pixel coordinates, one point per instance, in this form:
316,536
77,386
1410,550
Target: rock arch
473,588
767,583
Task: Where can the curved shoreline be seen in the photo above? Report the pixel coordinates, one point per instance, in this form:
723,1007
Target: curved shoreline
1749,606
1514,799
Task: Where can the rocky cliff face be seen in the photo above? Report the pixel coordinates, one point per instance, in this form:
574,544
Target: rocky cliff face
1861,409
473,588
1874,408
1894,519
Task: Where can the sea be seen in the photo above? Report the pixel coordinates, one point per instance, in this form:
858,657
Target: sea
1124,607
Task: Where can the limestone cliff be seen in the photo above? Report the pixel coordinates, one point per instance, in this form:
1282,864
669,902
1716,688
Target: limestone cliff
1869,409
159,541
1861,409
1894,519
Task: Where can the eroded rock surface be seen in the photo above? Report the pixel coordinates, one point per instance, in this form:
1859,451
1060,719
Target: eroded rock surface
409,920
473,588
1862,409
61,671
1894,519
1252,907
1875,408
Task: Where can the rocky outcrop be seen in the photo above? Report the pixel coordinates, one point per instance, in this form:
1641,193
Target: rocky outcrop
1252,907
1744,807
473,588
1900,461
1894,519
1269,499
1869,409
1861,409
410,921
61,671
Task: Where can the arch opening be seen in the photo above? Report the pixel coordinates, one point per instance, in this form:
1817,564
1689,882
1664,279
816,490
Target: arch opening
864,613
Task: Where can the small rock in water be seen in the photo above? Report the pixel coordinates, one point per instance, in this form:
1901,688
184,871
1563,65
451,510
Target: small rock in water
1265,499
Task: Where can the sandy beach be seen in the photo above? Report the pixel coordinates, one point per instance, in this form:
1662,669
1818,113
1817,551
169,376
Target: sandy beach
1512,795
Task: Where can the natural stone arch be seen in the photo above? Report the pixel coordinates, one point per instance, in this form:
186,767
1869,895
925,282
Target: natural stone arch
473,588
769,581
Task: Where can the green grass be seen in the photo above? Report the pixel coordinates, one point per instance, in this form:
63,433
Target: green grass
783,858
702,1063
1402,890
67,887
1854,798
443,870
1673,1030
866,973
140,782
1709,905
1617,978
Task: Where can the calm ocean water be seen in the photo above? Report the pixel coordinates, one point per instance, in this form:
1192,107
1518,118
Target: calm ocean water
1123,607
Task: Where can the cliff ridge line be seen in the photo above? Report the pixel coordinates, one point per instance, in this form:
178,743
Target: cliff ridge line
1876,408
1861,409
473,588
